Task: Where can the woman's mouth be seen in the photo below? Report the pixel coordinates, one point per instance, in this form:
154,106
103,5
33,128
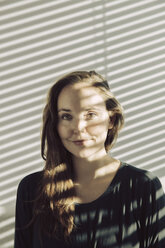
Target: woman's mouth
79,142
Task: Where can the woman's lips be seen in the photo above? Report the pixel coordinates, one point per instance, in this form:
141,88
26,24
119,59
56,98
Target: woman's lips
79,142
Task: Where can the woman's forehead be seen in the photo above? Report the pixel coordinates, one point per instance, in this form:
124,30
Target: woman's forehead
81,95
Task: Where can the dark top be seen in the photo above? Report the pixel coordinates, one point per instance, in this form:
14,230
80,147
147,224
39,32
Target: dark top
129,214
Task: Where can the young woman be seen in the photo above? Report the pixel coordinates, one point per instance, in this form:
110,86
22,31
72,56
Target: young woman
84,197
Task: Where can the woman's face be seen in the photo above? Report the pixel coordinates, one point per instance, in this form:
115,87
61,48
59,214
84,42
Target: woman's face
83,120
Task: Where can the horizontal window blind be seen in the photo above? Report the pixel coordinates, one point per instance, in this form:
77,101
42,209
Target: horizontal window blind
40,41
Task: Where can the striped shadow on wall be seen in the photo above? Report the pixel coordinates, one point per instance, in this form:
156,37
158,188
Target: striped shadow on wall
42,40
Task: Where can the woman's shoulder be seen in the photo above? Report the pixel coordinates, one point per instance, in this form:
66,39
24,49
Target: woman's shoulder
140,176
32,177
133,171
29,184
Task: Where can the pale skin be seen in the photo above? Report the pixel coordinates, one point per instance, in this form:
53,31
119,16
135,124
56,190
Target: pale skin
83,125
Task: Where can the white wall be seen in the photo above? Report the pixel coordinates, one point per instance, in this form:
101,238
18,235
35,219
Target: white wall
41,40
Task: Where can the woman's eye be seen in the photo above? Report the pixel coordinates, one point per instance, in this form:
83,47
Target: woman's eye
91,115
66,117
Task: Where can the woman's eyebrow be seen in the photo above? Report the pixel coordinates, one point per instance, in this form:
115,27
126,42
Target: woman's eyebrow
93,108
86,109
63,109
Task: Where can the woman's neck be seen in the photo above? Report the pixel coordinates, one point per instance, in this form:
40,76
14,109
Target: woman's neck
88,170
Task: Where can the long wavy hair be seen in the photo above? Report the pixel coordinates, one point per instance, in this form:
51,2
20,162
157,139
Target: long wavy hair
55,204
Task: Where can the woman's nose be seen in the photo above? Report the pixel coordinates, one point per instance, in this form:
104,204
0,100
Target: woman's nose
79,125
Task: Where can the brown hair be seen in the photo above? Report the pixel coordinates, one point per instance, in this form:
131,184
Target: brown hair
55,205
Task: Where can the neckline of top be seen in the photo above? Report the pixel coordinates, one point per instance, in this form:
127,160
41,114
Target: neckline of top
109,188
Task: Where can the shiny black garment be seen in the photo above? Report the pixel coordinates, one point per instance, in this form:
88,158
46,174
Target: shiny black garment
130,214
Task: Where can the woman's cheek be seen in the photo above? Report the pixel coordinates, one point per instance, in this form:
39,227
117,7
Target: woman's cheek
63,131
97,129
